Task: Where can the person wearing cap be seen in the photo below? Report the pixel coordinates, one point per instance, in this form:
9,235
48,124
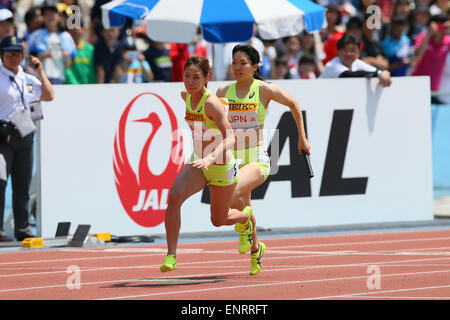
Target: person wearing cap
19,94
6,23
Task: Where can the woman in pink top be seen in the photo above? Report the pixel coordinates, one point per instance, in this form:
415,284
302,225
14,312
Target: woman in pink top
431,51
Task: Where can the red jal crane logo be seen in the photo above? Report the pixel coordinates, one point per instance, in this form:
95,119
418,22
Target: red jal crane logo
144,195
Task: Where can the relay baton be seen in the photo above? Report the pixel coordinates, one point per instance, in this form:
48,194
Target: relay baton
309,170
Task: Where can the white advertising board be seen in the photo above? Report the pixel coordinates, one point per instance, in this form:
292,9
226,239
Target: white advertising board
107,156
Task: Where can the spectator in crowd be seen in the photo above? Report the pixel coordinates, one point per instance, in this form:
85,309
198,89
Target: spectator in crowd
348,65
158,57
268,57
400,7
82,70
403,8
332,34
280,69
362,8
371,51
17,131
180,52
397,47
33,20
6,23
135,68
108,56
355,27
55,48
419,20
432,48
310,44
96,27
386,9
306,67
345,7
293,52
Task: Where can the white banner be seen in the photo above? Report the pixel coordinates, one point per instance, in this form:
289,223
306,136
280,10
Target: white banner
108,157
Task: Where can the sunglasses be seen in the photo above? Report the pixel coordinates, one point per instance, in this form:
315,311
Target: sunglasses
12,53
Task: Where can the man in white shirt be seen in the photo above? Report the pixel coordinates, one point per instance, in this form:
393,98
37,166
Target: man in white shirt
348,65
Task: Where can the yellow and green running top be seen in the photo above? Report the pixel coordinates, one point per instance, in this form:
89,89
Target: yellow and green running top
248,112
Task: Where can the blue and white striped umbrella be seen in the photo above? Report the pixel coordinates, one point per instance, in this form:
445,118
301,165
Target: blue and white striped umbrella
221,20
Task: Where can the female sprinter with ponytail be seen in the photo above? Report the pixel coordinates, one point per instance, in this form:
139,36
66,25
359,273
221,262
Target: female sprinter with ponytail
212,161
248,100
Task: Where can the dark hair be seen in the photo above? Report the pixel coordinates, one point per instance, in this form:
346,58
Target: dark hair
348,39
31,14
253,55
355,23
46,6
335,9
280,61
399,19
438,18
307,59
199,61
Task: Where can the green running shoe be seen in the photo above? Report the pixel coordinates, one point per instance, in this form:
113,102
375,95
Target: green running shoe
256,259
245,232
170,263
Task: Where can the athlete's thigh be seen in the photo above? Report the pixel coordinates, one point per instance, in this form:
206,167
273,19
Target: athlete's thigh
221,198
189,181
250,177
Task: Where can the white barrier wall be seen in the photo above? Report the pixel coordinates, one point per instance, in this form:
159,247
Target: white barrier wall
371,155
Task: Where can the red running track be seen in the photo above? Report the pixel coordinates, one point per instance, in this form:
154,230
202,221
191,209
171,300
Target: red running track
400,265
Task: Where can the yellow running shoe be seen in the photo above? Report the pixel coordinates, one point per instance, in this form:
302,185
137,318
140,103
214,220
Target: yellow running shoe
256,259
245,232
170,263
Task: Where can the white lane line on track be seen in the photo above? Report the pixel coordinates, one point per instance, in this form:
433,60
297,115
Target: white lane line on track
306,266
268,284
378,292
277,269
96,250
400,298
192,265
219,288
77,259
363,242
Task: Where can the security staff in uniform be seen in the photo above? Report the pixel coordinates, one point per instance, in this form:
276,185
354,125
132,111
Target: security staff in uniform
18,92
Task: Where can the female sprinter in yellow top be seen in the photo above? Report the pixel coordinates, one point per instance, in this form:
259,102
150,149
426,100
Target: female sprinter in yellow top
212,161
248,100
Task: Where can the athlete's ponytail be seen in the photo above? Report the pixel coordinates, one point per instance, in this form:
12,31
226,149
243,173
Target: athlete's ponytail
257,74
253,55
